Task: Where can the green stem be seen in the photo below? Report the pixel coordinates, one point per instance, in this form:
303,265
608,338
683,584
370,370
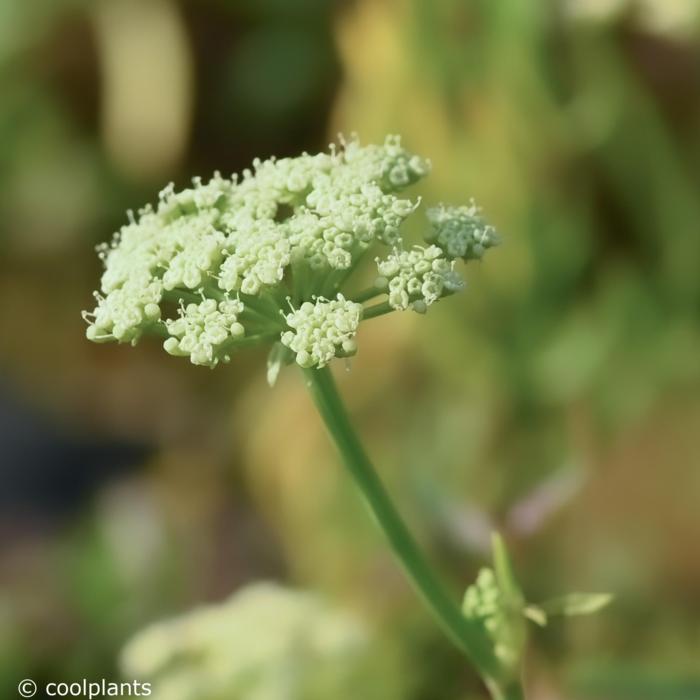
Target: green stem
377,310
248,341
186,295
466,634
367,294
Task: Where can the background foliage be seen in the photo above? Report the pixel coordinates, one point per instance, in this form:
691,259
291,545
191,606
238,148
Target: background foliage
558,399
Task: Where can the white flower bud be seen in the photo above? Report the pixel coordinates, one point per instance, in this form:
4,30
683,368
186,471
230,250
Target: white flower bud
255,255
418,278
461,231
202,330
322,330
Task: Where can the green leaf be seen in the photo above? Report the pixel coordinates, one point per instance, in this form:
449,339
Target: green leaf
278,356
505,578
576,604
535,614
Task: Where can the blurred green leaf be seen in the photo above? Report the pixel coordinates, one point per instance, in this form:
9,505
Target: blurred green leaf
576,604
535,614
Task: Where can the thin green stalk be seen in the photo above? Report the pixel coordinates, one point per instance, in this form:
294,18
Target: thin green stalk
157,328
186,295
367,294
377,310
248,341
466,634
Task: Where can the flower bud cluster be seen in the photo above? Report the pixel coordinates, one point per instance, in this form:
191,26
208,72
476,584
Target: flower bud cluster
203,330
341,220
125,311
483,601
322,330
175,245
287,180
192,200
461,231
254,257
389,165
417,278
197,249
289,228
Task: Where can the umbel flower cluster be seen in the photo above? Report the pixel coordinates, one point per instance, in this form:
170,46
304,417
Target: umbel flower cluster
269,256
265,641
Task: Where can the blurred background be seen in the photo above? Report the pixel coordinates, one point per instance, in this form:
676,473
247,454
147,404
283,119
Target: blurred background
557,400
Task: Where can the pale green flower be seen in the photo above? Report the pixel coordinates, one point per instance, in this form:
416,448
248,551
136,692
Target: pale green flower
417,278
217,266
461,232
322,330
126,311
255,256
266,642
203,330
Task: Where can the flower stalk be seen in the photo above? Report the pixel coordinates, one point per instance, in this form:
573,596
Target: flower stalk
464,633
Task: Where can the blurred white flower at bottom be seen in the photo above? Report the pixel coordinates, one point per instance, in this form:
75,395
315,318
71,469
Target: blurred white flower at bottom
673,19
679,19
265,642
595,10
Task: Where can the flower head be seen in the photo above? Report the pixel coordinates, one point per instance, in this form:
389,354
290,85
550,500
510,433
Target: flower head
254,257
322,330
203,330
417,278
216,267
461,232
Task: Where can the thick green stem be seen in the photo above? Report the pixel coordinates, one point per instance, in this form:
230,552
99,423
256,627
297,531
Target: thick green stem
467,635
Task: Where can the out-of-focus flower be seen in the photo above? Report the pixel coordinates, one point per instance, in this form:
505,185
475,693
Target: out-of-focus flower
677,19
265,643
484,601
595,10
674,18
